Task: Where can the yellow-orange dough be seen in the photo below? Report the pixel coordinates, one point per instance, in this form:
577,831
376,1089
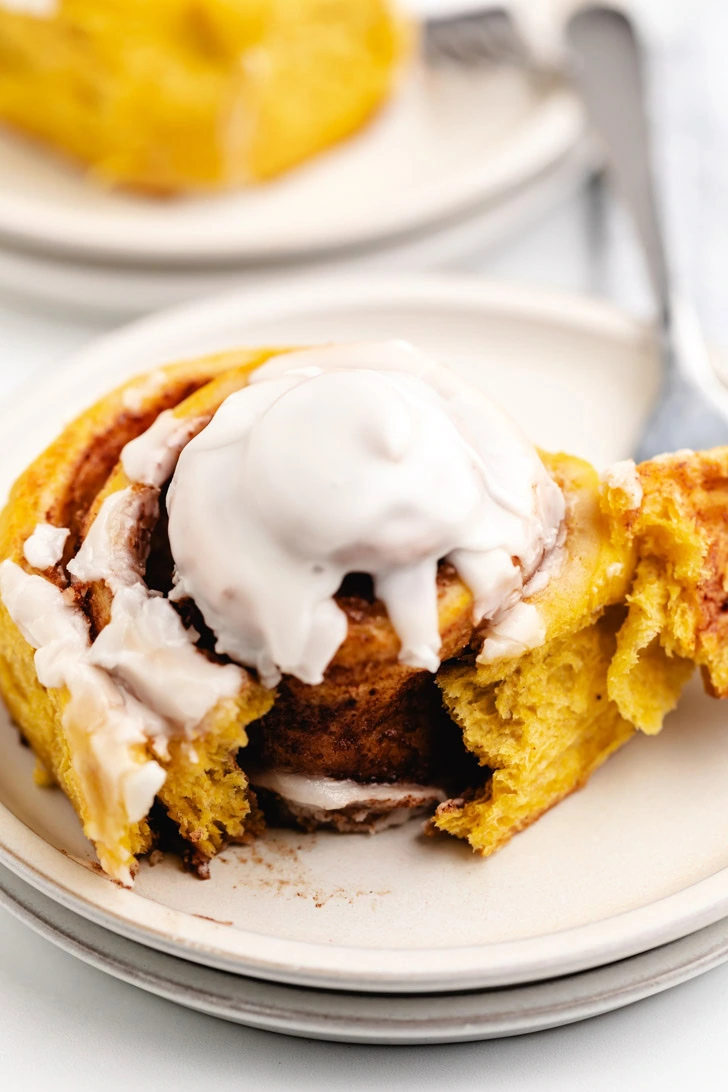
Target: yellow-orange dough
170,95
640,601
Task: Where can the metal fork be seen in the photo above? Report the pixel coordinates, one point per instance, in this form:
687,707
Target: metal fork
475,38
692,407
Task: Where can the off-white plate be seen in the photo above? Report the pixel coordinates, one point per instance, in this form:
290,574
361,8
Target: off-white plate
447,142
356,1017
637,859
60,280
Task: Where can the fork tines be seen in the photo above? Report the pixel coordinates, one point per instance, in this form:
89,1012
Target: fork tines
475,38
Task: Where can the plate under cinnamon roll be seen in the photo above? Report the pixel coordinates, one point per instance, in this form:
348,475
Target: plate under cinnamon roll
337,587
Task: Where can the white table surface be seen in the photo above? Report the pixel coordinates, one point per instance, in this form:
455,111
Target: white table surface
64,1025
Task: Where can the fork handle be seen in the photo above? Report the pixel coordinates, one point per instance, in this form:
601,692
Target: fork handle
607,68
606,56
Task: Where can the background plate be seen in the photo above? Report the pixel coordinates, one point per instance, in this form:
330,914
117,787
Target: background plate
638,859
354,1018
59,280
448,141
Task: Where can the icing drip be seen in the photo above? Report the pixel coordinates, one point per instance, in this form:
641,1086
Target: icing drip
44,548
361,458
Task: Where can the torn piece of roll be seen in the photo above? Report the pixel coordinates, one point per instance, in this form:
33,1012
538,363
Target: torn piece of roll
165,97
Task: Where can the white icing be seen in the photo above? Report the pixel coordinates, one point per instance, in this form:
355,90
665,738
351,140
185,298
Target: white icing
44,548
142,680
105,552
623,475
150,458
328,794
361,458
42,9
519,629
136,396
145,644
107,729
538,582
45,619
147,648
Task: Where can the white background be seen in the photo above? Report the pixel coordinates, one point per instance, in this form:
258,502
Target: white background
63,1025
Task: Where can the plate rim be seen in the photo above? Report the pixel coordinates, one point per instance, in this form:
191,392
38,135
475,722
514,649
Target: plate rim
84,892
552,129
417,1020
125,291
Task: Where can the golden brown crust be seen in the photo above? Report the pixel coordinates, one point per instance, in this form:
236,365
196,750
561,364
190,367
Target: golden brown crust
683,524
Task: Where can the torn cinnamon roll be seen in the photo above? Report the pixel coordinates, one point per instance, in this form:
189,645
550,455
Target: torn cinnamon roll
338,588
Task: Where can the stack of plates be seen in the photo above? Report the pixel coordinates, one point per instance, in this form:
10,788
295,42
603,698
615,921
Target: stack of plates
616,894
456,162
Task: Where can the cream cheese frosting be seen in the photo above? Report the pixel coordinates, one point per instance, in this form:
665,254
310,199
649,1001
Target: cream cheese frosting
623,475
151,457
107,728
145,645
519,629
363,458
44,548
142,681
328,794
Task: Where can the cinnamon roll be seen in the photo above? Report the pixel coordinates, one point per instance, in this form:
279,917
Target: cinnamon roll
338,588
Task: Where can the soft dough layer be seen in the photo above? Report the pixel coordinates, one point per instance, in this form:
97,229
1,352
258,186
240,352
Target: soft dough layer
642,600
